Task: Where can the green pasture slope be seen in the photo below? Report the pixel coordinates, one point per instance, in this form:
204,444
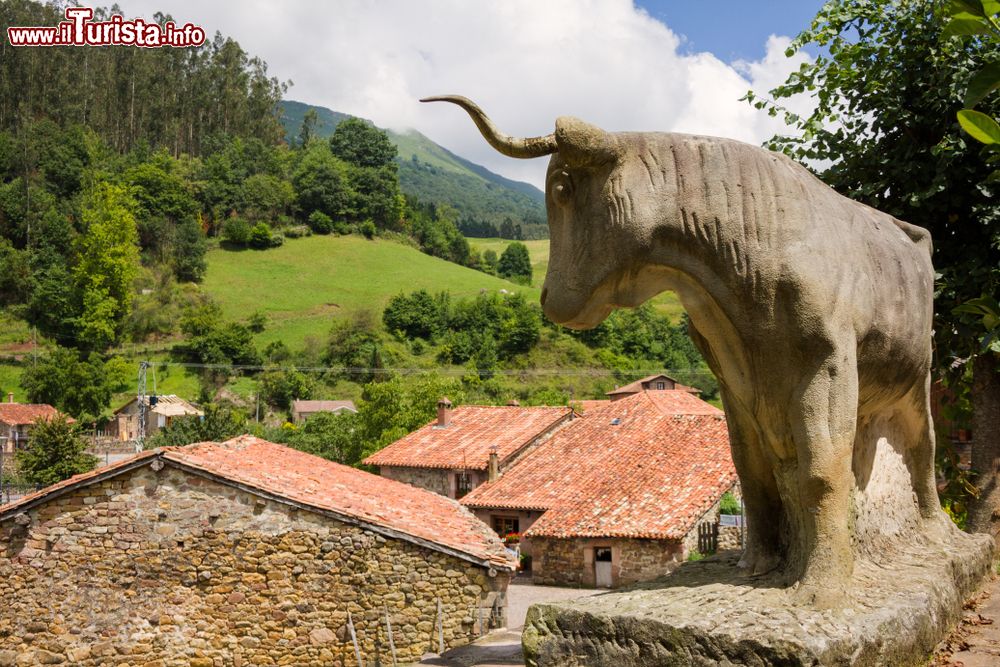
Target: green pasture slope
538,251
306,283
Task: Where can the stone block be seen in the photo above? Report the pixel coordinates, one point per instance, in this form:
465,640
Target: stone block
711,613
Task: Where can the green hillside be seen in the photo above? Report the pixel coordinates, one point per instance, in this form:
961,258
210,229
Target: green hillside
307,282
434,174
538,250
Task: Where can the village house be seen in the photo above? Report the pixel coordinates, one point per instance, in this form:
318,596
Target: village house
620,495
241,553
163,409
460,449
303,410
16,420
660,382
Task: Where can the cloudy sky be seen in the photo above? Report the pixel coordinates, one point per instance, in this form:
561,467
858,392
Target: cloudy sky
670,65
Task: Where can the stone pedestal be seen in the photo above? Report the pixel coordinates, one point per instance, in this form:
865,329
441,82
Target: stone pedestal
709,613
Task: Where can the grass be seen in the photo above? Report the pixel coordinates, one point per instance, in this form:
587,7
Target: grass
305,284
538,251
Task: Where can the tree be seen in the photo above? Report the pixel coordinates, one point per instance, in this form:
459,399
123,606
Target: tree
515,263
219,423
55,452
108,263
362,144
332,436
77,385
319,182
969,19
889,82
189,251
308,130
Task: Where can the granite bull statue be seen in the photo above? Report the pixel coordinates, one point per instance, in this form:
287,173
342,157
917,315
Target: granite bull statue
813,310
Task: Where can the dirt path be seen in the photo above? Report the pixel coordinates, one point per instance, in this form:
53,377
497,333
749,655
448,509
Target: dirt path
503,648
976,641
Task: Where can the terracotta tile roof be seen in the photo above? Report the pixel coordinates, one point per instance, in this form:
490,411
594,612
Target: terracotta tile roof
19,414
433,520
636,386
651,475
586,405
465,443
322,406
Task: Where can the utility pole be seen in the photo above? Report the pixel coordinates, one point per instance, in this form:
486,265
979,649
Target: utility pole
142,403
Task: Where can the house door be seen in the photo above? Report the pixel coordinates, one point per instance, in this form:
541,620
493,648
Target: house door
602,567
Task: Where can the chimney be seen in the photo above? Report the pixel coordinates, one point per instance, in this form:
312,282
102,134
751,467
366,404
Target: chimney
10,397
444,412
494,470
513,403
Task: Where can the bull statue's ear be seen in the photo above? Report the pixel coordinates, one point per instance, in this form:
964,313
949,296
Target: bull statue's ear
584,145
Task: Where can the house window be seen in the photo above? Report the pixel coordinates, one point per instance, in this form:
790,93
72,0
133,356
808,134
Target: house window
661,385
505,525
463,484
602,554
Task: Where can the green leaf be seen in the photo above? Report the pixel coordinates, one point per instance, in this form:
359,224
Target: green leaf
974,7
980,126
982,84
991,7
964,26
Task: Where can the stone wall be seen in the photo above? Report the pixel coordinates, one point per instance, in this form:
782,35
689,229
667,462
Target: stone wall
570,561
170,568
438,480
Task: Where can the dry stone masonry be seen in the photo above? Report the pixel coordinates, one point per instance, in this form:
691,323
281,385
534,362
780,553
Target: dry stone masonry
162,568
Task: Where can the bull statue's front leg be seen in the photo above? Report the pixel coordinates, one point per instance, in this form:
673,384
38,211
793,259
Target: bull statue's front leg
822,417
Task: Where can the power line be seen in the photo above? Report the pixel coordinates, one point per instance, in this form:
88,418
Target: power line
582,372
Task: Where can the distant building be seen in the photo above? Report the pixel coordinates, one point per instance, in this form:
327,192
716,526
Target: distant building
163,409
659,382
16,420
455,453
242,552
303,410
623,494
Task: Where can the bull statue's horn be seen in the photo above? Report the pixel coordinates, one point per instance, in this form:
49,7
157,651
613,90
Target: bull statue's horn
509,146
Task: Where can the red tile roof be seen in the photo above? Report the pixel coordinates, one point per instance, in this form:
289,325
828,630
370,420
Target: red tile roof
376,502
651,475
586,405
636,386
19,414
472,430
309,407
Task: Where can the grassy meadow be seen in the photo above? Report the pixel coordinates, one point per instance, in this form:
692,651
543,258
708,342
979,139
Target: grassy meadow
538,250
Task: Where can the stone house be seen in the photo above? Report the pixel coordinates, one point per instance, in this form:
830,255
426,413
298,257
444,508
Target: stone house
456,452
303,410
16,420
659,382
163,409
619,495
240,553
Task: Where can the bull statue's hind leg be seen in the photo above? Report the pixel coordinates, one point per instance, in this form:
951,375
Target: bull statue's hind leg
823,418
916,415
762,552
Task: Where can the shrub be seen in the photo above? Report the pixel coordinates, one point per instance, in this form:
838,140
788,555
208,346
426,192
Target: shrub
515,263
236,231
297,231
260,236
56,452
367,229
320,222
729,504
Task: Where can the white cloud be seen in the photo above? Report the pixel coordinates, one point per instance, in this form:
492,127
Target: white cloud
525,62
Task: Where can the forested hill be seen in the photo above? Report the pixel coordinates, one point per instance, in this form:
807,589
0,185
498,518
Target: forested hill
484,200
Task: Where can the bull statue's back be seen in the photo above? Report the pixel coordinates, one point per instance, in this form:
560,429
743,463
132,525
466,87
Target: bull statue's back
814,312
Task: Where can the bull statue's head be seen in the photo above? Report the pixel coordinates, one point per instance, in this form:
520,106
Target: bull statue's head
593,221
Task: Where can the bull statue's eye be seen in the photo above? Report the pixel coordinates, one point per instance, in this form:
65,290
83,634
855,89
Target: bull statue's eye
562,188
